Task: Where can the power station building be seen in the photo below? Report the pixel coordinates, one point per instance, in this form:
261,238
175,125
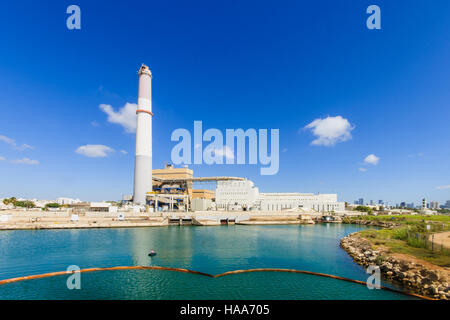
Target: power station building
172,188
244,195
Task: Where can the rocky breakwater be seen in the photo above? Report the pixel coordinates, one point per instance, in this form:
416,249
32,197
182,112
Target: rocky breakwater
374,223
415,276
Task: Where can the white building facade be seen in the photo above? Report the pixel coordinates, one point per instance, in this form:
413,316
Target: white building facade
244,195
63,201
236,193
434,205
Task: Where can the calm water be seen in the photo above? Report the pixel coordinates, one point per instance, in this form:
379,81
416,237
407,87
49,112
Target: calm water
207,249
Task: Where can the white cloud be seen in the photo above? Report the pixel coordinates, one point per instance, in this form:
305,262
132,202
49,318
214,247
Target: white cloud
363,169
372,159
7,140
224,152
25,161
284,150
95,124
443,187
123,152
330,130
126,117
413,155
13,143
2,158
94,150
24,146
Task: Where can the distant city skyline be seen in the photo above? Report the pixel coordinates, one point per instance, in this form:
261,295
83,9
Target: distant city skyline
431,204
361,113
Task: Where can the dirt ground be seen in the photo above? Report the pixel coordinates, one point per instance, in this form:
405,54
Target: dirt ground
442,238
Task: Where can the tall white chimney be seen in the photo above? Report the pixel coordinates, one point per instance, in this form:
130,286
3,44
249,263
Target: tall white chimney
143,156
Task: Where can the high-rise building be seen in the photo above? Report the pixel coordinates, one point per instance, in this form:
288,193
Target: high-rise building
434,205
447,204
380,202
361,201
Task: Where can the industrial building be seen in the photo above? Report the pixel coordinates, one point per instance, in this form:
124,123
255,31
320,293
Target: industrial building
203,194
171,189
243,195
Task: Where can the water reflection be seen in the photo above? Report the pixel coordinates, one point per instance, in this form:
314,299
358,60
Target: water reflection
207,249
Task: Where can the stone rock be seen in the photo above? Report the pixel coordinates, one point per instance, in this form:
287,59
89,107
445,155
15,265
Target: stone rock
432,275
416,277
404,267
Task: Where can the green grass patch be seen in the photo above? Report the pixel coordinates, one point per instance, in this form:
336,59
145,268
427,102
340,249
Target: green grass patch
412,239
406,219
398,246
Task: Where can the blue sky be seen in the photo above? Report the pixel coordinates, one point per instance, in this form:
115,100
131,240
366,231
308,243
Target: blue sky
230,64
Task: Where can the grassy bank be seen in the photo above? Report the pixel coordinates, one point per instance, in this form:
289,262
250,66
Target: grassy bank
405,219
411,236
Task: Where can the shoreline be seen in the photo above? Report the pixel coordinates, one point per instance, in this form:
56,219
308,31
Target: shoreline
130,224
415,275
62,220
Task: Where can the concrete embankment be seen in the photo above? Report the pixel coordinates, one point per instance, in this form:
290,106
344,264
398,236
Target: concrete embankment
83,224
415,275
276,220
19,220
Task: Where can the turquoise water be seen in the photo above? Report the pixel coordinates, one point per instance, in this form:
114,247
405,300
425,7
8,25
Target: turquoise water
211,250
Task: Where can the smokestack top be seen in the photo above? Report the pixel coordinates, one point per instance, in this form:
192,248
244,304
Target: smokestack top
145,69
